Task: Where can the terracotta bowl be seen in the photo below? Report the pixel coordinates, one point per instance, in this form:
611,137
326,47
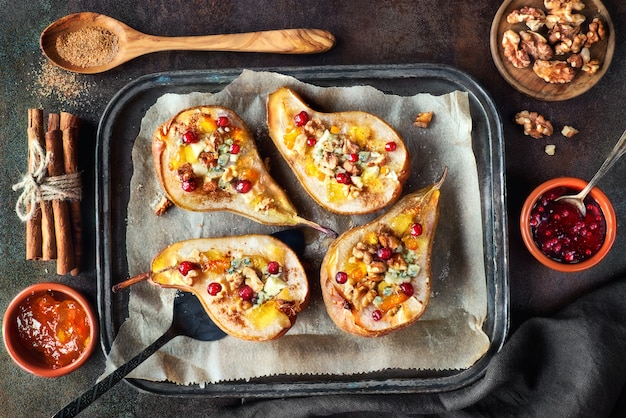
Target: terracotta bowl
597,195
25,356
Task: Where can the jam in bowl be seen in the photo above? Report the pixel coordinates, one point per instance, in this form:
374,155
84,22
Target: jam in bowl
49,329
558,235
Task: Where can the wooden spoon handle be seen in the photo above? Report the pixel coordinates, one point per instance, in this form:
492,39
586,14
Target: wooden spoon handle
282,41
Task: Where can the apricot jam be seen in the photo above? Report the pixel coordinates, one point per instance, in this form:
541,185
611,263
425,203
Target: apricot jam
57,329
560,231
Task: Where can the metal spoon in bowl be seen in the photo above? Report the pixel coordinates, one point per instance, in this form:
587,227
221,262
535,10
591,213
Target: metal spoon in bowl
132,43
578,199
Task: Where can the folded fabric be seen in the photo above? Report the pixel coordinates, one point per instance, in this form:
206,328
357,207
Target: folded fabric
568,365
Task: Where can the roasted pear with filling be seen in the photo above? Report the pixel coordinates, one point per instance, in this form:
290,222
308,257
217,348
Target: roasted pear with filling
206,160
252,286
375,278
349,162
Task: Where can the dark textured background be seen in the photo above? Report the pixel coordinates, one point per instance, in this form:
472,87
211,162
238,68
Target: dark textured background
368,32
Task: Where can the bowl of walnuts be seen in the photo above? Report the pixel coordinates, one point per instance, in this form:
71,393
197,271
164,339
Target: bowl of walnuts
552,50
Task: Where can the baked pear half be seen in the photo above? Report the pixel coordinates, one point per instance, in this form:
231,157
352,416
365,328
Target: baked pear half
251,286
206,160
349,162
375,278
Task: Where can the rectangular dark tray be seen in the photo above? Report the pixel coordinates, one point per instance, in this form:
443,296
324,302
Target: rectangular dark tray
119,126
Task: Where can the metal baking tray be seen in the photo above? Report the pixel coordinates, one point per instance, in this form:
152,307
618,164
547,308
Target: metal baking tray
120,125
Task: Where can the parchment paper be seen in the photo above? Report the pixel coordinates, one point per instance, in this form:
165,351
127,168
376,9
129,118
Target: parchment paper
447,337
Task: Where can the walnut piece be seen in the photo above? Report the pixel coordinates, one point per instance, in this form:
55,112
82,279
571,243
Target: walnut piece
570,5
518,57
234,280
423,119
535,125
569,131
535,45
554,72
584,62
252,279
162,205
550,149
534,18
565,17
566,38
377,267
596,32
575,60
363,294
591,67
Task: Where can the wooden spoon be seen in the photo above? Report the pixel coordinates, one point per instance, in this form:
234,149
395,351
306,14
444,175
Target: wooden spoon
132,43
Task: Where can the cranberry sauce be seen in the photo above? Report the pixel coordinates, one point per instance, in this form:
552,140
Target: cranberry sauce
561,232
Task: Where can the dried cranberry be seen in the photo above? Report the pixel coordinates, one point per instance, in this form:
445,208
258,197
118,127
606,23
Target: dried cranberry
301,118
416,230
245,292
311,141
222,121
377,315
390,146
190,137
343,178
234,148
243,186
189,185
214,288
273,267
353,158
185,267
341,277
384,253
407,288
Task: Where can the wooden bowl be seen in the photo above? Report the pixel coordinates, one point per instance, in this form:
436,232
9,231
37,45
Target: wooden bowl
576,184
26,357
524,79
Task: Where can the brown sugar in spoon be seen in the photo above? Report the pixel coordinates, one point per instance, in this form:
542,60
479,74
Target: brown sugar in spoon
91,43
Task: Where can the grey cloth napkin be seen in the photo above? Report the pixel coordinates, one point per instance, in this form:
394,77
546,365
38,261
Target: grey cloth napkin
569,365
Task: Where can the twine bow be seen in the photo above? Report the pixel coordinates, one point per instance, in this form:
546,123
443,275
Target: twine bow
37,187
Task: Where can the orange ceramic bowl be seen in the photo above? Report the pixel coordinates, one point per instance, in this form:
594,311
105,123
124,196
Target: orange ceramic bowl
576,184
58,295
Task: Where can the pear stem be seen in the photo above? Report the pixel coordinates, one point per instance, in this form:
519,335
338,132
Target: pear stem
318,227
129,282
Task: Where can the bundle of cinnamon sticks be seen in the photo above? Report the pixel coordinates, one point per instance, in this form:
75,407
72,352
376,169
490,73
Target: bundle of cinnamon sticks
54,230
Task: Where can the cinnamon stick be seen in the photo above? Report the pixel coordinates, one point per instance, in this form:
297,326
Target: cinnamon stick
33,225
48,236
62,225
69,126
